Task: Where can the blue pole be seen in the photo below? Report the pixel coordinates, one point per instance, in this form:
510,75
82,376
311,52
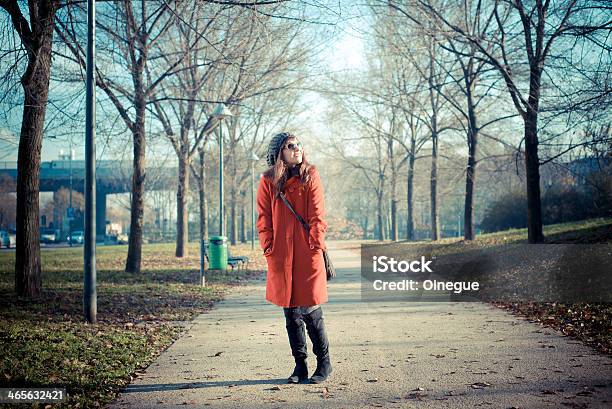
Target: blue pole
89,272
221,212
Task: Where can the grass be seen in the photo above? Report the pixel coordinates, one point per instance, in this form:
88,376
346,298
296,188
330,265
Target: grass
593,230
46,342
588,322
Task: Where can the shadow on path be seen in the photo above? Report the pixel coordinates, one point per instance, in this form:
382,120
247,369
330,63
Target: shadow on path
159,387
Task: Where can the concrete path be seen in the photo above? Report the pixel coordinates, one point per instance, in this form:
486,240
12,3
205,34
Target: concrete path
394,355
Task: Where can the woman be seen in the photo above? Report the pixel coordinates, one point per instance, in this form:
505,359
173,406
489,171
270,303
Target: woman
296,278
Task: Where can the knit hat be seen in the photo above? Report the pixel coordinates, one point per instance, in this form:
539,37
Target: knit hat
275,146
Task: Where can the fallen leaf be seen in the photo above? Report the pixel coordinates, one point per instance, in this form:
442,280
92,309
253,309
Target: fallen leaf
416,395
480,385
584,393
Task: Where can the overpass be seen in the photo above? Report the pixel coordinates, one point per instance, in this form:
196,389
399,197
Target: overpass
112,176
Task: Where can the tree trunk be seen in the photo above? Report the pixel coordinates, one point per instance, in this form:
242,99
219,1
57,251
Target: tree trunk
243,227
35,82
234,187
389,220
468,230
394,227
203,203
410,196
233,221
393,208
182,214
134,257
470,178
435,231
532,168
379,215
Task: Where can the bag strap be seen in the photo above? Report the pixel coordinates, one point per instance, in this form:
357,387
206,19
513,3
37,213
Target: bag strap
301,220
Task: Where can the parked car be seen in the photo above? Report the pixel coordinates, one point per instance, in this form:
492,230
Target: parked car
13,235
5,239
122,238
76,237
48,236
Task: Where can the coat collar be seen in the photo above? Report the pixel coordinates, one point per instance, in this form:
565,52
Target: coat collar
292,181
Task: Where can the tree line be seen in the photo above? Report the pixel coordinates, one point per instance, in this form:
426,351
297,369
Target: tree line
162,67
487,87
511,83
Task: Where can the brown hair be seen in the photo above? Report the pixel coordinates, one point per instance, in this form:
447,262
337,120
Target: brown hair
279,173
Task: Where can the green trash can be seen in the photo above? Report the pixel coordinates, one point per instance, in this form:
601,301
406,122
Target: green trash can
217,252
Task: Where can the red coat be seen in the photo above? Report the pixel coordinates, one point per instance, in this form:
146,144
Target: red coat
296,270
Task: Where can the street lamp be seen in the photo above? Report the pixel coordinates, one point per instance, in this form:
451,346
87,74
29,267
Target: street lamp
221,112
254,158
90,300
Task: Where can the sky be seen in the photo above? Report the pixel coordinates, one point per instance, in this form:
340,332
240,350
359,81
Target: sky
345,52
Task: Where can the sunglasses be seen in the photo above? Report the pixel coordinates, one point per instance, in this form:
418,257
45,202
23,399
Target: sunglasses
294,146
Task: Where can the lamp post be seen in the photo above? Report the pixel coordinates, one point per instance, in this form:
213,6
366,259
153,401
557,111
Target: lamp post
89,271
254,158
71,211
221,112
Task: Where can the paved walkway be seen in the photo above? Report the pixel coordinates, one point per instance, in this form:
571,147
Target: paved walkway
394,355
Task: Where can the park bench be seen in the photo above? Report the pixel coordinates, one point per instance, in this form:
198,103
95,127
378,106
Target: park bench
240,262
237,261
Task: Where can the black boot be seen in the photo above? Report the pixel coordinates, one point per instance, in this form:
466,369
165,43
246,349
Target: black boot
297,341
320,345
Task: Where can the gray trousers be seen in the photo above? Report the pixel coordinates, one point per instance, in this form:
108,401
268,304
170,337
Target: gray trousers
302,310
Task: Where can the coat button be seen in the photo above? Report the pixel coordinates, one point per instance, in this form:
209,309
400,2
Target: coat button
311,247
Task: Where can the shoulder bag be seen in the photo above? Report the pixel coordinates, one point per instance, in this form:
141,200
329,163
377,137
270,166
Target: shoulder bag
329,267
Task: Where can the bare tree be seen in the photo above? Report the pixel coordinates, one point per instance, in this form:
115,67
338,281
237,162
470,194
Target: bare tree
370,136
410,87
199,174
412,138
469,91
176,102
541,24
436,118
261,116
8,208
264,91
133,37
36,34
